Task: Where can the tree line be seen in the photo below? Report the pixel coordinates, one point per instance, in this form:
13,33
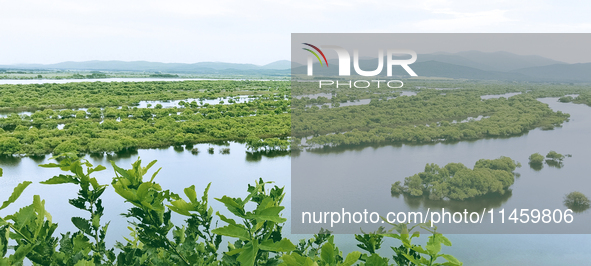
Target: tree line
428,116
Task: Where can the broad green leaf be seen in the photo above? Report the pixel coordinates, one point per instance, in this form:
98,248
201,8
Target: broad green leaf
20,254
96,221
376,260
39,207
397,236
419,249
290,260
82,224
191,194
78,170
124,191
249,253
84,263
155,173
23,217
284,245
444,240
412,259
259,225
351,258
205,193
268,214
96,169
4,236
266,203
60,179
451,260
295,259
256,190
142,191
94,183
233,206
123,173
18,190
227,220
81,243
233,230
181,207
434,244
327,253
150,164
234,251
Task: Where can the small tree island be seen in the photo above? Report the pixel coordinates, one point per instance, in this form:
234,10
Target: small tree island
577,201
536,159
555,156
457,182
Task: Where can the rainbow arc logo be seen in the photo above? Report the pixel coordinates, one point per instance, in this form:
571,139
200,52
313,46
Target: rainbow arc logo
315,54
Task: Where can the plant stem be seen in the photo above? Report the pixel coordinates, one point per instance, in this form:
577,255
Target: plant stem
21,234
177,252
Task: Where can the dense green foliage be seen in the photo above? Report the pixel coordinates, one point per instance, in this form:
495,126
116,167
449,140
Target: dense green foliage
114,130
426,117
458,182
536,159
155,240
113,94
555,156
553,159
577,201
111,125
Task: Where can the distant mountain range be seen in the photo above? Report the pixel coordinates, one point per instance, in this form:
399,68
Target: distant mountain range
463,65
502,66
281,67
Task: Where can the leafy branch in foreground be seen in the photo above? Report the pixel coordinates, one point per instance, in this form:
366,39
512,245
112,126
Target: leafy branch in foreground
259,235
88,200
30,227
410,254
155,240
192,244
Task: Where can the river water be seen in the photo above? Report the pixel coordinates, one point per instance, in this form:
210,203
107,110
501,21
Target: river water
231,173
533,188
63,81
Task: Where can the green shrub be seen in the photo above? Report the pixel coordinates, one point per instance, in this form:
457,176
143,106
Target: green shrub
156,240
536,159
552,155
577,201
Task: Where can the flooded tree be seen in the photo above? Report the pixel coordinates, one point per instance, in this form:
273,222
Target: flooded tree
555,156
457,182
577,201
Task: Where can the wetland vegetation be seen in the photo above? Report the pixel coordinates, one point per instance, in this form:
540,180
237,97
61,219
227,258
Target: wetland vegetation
78,118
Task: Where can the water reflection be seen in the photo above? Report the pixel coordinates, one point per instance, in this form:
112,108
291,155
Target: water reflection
258,156
10,160
496,96
365,173
577,208
228,173
474,204
536,166
555,164
179,148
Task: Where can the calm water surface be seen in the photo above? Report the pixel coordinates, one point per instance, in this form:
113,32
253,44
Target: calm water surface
231,173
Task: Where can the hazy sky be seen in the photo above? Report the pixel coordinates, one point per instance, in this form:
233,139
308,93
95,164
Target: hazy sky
238,31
